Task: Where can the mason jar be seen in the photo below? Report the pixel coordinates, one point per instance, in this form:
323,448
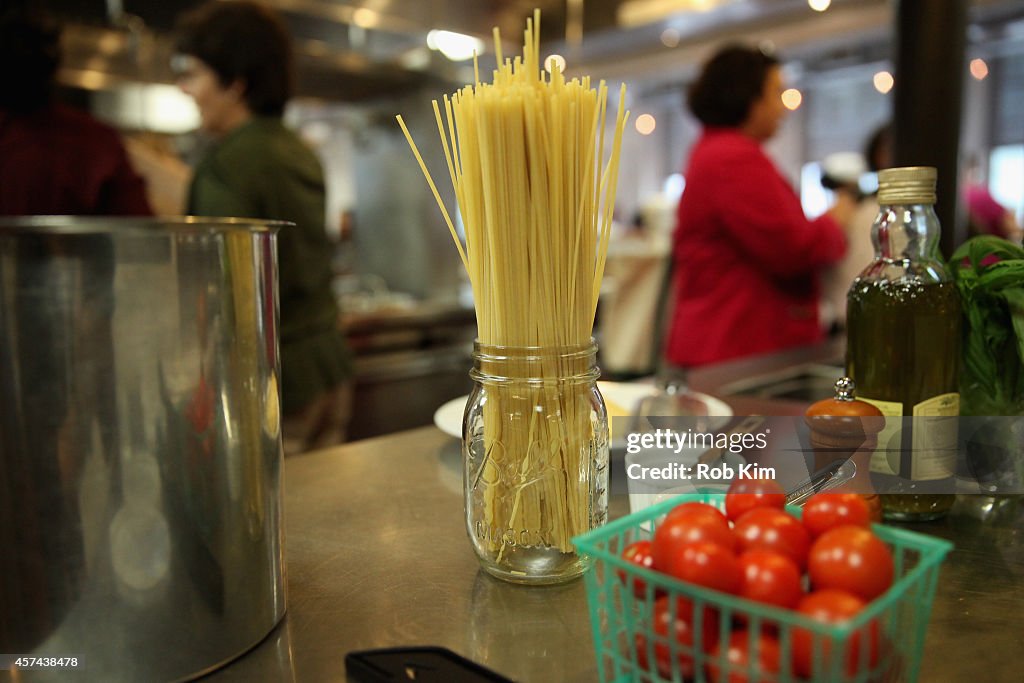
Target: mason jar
535,450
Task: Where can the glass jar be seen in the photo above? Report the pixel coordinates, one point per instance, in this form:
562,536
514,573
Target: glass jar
535,450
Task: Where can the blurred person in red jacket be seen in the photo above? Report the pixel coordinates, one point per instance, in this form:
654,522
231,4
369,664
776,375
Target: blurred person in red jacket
746,258
54,159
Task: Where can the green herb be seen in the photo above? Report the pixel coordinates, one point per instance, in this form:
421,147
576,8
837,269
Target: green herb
989,273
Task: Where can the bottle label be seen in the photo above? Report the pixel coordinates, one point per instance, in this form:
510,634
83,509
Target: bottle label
886,458
935,437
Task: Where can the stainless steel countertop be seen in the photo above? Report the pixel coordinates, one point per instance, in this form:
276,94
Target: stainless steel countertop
377,556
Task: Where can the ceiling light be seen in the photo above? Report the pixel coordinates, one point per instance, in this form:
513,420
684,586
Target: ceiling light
90,79
554,62
156,107
645,124
417,59
454,46
792,98
883,81
639,12
670,37
979,69
365,18
819,5
674,186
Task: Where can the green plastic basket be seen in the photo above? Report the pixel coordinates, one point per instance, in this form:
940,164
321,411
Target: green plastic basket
617,616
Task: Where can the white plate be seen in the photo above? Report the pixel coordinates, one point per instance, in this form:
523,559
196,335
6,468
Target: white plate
448,417
621,399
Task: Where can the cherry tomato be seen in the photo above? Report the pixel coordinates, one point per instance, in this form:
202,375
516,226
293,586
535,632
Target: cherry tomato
853,559
771,578
690,523
830,606
640,644
638,553
746,494
771,529
683,630
738,658
706,564
826,511
695,508
687,510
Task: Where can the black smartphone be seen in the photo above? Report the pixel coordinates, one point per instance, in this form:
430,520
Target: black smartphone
419,664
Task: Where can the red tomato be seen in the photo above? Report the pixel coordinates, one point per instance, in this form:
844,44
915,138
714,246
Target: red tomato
826,511
690,523
642,660
771,529
853,559
738,658
830,606
746,494
771,578
690,510
683,630
638,553
706,564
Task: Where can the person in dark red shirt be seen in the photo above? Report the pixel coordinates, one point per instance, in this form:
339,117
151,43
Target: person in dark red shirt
746,259
54,159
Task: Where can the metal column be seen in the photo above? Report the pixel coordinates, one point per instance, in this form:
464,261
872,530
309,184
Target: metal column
930,38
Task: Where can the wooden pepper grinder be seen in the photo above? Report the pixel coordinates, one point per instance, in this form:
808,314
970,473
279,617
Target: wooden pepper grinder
844,428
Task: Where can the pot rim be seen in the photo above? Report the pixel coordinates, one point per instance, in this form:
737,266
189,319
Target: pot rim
134,224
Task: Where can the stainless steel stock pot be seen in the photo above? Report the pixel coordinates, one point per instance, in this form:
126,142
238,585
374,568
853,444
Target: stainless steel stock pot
140,456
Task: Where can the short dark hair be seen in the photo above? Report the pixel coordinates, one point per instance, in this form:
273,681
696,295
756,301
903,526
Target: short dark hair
30,53
880,140
242,41
730,82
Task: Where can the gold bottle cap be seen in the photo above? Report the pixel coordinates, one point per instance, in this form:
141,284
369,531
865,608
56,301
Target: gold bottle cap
908,185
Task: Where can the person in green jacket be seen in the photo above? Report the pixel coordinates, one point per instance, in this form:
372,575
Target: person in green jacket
235,60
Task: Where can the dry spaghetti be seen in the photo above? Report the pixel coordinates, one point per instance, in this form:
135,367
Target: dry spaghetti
526,156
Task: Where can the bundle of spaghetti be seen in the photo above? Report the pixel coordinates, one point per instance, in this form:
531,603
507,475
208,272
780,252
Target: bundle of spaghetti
526,155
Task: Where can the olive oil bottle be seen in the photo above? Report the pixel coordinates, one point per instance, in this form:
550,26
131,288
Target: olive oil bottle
903,349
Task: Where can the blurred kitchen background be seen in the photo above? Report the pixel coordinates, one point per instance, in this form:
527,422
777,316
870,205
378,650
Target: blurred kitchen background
407,307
